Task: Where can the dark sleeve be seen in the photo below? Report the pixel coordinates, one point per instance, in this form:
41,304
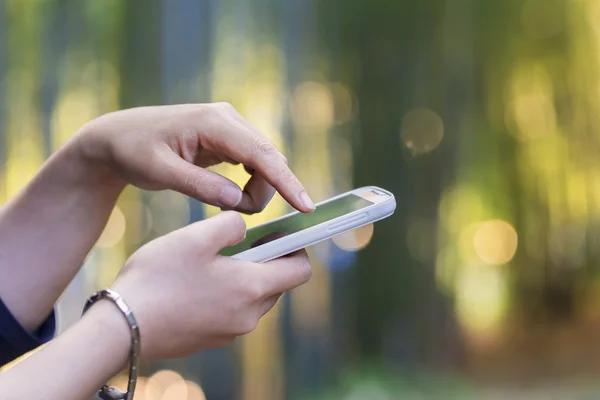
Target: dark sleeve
16,340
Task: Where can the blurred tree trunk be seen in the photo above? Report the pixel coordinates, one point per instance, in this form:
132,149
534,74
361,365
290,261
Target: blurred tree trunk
401,318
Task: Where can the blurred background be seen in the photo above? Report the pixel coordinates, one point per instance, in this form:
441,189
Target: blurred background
482,117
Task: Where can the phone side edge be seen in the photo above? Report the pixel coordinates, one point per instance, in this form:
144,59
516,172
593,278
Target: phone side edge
315,234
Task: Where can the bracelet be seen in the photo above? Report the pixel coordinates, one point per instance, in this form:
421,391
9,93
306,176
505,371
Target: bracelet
112,393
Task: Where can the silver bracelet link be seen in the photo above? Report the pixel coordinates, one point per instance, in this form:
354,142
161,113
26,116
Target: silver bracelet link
112,393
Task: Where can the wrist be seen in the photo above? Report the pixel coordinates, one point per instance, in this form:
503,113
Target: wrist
91,151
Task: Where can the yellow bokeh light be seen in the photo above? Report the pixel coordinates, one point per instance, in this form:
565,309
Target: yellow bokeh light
140,389
356,239
105,79
74,108
495,242
22,127
159,383
481,299
312,105
460,206
422,130
114,230
593,14
531,113
176,391
577,194
194,391
21,169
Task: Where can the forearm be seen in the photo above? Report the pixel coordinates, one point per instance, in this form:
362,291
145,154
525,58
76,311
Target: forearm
47,230
76,364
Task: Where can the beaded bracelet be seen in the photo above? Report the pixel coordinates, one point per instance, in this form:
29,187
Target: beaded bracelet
112,393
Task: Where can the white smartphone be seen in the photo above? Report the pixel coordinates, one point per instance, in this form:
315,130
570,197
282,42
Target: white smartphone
296,231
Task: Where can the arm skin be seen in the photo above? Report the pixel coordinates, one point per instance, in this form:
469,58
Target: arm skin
47,230
77,363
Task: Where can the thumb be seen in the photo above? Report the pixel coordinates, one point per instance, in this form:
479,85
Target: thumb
223,230
199,183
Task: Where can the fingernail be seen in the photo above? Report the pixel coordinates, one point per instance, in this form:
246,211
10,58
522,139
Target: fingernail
306,201
230,196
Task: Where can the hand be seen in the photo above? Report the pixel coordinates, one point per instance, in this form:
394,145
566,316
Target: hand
170,147
186,297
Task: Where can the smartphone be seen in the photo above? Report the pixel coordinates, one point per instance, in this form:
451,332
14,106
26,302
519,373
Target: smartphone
331,217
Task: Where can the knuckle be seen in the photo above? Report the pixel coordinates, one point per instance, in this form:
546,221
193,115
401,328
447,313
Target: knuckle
266,148
261,206
287,176
258,205
198,183
201,111
225,106
254,292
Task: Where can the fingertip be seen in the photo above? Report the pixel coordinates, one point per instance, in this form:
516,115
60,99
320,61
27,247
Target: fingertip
234,219
307,203
232,227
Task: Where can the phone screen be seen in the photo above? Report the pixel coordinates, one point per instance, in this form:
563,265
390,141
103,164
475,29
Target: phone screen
297,222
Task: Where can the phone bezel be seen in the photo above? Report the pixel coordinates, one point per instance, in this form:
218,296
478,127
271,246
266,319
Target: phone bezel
383,205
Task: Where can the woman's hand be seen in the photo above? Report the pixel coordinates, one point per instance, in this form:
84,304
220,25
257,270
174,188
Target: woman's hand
186,297
170,147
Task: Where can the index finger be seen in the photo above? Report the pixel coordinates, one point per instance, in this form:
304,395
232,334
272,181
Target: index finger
248,146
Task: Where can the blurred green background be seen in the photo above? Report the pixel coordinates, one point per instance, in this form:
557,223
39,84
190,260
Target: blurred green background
481,116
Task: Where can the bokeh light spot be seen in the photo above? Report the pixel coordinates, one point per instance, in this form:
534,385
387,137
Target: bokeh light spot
74,108
312,105
159,384
495,242
356,239
459,207
421,131
176,391
114,230
194,391
530,112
